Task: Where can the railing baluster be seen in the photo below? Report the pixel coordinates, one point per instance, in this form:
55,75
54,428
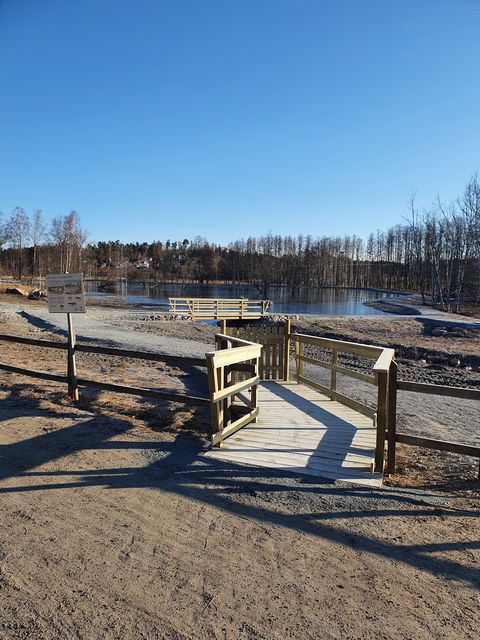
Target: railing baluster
333,373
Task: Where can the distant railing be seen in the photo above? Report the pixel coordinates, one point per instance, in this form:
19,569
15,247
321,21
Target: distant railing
220,308
384,377
232,355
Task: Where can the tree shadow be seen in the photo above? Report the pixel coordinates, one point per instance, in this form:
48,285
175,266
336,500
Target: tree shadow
178,467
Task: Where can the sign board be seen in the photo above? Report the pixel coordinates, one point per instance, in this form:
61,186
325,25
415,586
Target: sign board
65,293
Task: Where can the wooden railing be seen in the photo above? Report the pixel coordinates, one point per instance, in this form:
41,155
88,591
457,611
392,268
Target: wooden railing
73,381
232,355
384,376
275,360
220,308
430,443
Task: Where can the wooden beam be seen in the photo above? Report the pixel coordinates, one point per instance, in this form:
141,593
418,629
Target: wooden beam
32,373
384,360
439,390
235,426
141,355
234,388
382,420
366,350
392,417
440,445
286,349
50,344
146,393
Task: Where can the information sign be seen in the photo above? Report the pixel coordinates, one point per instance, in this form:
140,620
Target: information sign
65,293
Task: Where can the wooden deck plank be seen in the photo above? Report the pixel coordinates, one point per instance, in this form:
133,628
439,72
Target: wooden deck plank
302,431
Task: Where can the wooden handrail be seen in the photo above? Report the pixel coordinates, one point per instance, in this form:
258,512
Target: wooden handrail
384,414
232,355
220,308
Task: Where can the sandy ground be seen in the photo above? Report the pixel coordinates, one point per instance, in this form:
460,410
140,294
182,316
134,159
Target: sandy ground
114,526
108,532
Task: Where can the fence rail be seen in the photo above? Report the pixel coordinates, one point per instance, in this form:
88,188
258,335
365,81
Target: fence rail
220,308
429,443
232,355
73,381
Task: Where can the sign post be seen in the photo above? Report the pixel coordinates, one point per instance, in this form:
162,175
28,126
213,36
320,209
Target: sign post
66,295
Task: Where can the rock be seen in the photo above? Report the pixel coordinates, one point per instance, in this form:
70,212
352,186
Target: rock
35,294
16,291
439,332
454,362
422,361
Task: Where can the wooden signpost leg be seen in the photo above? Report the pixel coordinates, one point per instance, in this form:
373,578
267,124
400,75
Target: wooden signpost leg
71,366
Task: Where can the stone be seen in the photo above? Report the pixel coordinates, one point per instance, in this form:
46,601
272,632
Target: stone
16,291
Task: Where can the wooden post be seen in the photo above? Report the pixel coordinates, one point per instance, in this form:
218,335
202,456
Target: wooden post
299,346
286,350
223,327
333,377
71,364
392,417
382,419
212,388
254,391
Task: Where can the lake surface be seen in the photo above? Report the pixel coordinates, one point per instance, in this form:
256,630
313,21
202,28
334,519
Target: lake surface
326,301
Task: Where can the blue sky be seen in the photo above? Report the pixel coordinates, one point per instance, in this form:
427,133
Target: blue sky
159,119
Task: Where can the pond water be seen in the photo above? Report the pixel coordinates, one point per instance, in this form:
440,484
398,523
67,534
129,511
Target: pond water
326,301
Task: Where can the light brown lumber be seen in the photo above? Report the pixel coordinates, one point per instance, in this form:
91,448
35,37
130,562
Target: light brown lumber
234,426
233,389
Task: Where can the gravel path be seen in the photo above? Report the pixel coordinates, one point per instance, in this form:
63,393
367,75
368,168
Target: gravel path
108,327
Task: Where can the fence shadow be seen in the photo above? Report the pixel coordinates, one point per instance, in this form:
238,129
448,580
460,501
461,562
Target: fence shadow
177,466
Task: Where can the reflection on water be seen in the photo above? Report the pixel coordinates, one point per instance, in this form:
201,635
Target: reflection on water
327,301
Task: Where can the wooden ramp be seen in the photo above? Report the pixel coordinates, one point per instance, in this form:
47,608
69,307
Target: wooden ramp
303,431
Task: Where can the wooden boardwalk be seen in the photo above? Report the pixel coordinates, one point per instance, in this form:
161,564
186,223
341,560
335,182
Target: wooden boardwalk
303,431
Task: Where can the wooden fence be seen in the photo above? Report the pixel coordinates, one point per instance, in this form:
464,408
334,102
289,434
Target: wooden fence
383,376
275,358
429,443
73,381
220,308
232,355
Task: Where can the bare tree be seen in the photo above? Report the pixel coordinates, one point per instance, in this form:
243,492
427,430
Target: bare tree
19,231
39,228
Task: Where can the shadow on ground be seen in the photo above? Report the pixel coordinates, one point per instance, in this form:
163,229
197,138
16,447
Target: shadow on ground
268,496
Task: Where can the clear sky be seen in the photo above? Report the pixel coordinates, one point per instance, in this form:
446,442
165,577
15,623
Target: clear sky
159,119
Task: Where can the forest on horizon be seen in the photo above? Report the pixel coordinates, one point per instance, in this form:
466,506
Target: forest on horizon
434,252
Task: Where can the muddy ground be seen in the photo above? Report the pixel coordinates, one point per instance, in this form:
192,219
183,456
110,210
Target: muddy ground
114,526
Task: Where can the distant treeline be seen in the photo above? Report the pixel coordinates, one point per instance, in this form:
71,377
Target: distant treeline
435,252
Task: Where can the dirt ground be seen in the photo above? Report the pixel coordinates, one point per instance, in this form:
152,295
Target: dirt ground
111,532
114,526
